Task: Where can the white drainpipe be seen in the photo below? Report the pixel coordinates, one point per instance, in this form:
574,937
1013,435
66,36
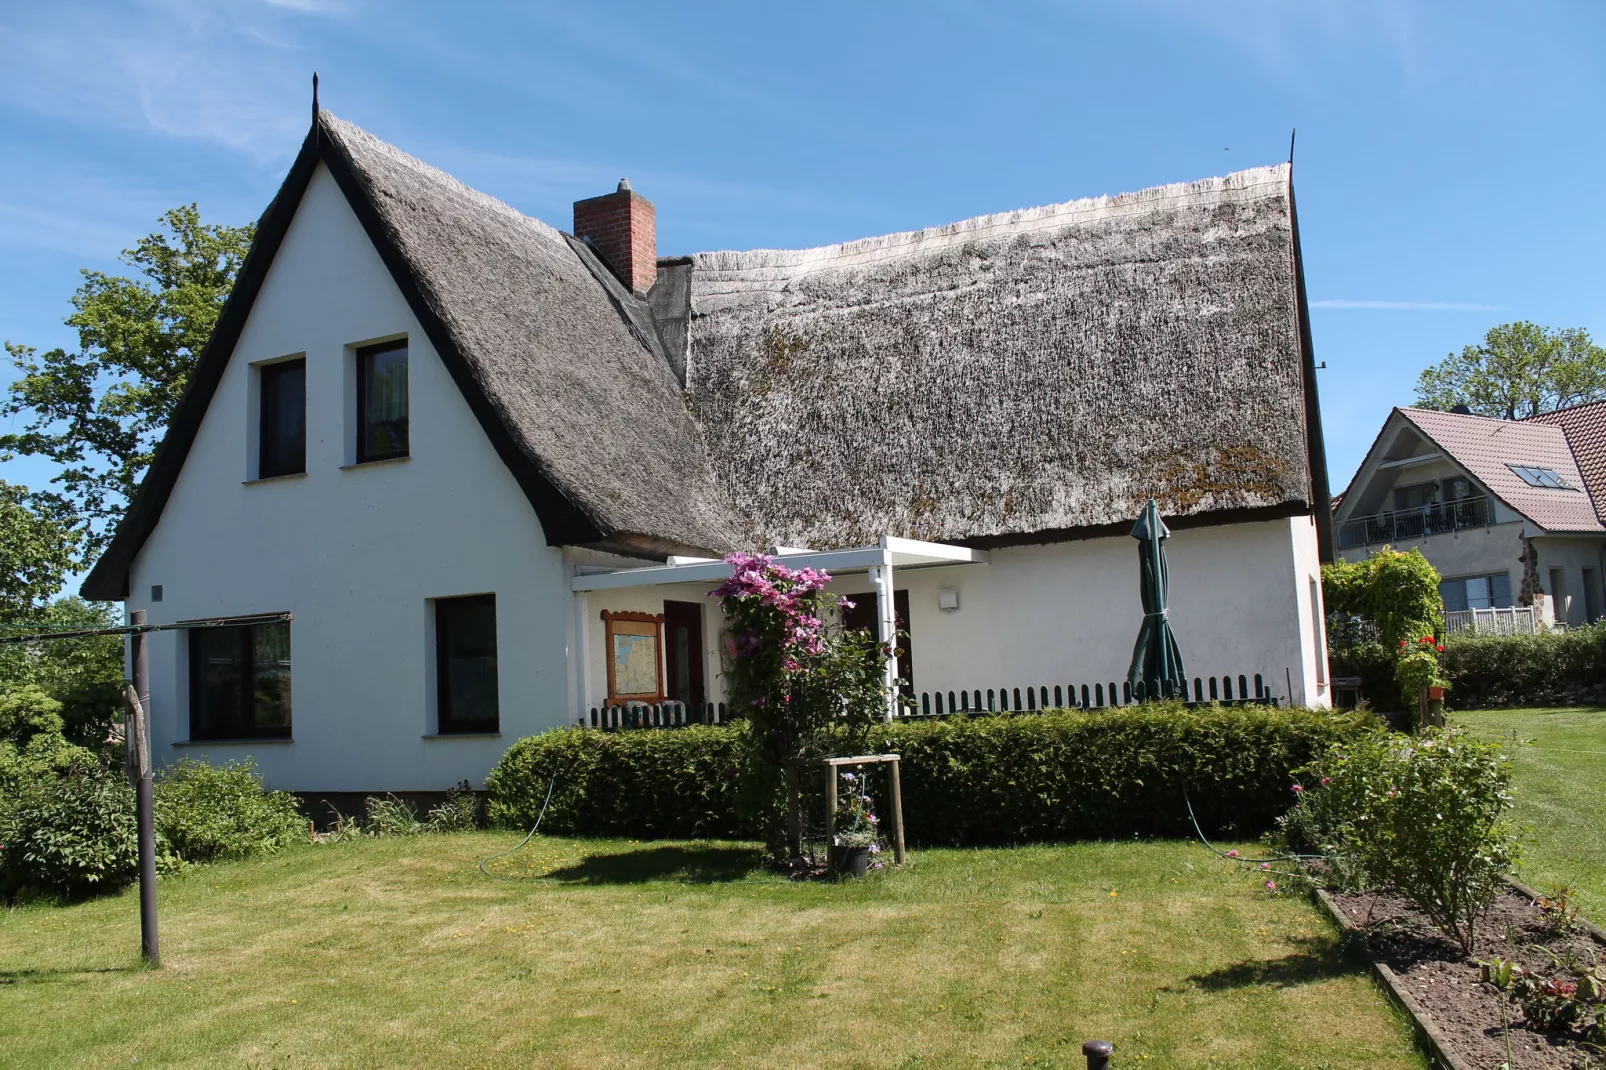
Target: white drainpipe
886,627
581,670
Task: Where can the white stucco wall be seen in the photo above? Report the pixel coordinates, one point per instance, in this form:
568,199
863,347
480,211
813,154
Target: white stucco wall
354,553
1582,560
1068,613
1469,552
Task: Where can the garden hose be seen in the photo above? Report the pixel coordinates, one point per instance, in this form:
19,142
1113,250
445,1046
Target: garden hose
1233,857
485,862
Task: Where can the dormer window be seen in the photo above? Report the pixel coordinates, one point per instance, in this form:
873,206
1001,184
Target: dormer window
382,402
1540,477
282,421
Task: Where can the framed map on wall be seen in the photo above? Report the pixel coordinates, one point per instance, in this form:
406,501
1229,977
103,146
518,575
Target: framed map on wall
635,657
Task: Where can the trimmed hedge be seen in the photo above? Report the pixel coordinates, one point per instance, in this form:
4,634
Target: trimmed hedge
1554,669
967,781
673,784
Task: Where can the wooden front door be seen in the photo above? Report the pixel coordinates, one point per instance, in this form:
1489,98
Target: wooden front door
683,653
862,615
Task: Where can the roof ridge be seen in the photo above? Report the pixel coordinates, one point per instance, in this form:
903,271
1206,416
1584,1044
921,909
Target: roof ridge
347,128
1563,409
1021,219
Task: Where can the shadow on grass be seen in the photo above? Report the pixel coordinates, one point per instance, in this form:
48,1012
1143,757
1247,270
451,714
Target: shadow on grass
32,977
1320,960
694,864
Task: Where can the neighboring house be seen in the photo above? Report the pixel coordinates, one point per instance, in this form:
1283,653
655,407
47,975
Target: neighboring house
489,467
1509,511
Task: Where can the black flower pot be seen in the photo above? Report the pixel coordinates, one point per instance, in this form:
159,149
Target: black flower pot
852,861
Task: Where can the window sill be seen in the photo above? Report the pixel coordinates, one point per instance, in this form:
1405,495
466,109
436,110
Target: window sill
464,735
380,461
231,742
273,479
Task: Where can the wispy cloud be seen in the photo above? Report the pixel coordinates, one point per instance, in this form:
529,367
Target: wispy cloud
1407,306
183,69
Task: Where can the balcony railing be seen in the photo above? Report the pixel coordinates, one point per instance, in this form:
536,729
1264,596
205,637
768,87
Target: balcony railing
1405,524
1512,620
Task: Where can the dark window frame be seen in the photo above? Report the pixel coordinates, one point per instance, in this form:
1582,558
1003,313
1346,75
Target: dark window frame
364,356
245,726
272,459
446,723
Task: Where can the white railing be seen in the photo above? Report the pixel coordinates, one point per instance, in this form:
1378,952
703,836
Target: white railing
1512,620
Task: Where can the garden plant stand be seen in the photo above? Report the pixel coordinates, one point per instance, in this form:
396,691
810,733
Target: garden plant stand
899,855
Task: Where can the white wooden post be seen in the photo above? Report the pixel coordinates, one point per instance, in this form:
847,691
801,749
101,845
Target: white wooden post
582,654
886,618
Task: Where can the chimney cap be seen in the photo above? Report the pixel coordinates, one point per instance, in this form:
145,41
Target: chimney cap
624,186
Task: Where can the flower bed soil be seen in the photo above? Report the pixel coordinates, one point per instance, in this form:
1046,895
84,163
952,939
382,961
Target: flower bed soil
1439,985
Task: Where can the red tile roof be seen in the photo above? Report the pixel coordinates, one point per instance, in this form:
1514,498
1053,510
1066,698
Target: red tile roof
1486,447
1585,428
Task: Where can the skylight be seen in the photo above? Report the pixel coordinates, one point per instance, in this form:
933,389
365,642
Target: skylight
1540,477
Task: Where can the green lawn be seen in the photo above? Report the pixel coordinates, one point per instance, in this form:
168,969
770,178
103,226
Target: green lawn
399,953
1561,795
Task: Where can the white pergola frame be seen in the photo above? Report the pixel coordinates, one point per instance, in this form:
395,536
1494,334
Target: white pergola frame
878,560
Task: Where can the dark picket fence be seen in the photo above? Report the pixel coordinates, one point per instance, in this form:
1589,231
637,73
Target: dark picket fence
1241,690
1225,690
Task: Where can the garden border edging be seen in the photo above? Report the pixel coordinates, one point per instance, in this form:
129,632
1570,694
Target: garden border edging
1428,1033
1433,1040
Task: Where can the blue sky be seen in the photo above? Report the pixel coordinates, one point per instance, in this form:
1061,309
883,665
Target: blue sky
1450,161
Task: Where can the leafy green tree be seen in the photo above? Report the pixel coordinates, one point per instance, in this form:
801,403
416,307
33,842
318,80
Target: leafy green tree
1399,592
37,547
1520,369
85,676
100,412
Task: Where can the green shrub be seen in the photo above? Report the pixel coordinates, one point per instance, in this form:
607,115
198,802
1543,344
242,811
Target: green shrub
1374,664
1423,816
1557,668
684,783
1397,591
69,836
458,812
42,759
27,712
84,675
1061,775
392,816
1072,775
209,812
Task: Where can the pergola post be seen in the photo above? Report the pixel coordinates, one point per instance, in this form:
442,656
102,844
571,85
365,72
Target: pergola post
886,634
582,655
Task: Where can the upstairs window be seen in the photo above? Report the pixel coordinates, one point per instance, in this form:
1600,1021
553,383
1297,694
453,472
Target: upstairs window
1540,477
465,664
1476,592
282,421
382,402
240,682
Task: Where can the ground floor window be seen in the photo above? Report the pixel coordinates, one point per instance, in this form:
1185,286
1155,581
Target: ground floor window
465,665
1476,592
240,682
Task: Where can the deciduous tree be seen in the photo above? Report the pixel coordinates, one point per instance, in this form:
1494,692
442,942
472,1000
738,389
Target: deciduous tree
37,549
1520,369
101,410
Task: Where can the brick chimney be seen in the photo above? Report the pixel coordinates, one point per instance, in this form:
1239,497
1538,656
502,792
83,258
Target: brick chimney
623,229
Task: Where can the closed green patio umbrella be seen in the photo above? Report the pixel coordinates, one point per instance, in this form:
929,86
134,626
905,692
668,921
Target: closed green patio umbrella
1157,670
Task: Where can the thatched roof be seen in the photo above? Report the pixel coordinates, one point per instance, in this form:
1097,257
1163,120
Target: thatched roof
561,366
1014,376
569,360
